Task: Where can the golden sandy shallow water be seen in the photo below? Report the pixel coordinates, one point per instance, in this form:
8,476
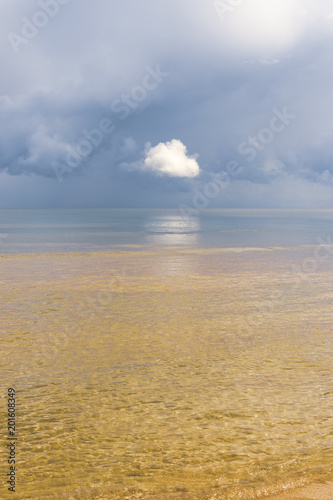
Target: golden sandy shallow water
170,374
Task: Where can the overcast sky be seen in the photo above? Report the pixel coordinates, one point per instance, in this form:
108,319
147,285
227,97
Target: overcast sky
138,103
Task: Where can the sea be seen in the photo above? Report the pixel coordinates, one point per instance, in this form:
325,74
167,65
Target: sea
88,230
156,354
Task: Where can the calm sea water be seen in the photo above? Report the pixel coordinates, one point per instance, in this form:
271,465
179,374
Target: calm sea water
27,231
198,366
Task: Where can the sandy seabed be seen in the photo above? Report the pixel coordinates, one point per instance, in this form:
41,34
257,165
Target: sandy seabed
169,374
313,492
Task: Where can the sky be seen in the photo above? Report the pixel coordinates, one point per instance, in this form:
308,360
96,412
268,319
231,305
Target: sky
166,103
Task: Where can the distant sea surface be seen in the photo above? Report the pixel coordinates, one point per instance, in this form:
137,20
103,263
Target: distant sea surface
161,357
40,231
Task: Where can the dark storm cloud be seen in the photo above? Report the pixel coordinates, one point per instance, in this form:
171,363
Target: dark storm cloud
85,86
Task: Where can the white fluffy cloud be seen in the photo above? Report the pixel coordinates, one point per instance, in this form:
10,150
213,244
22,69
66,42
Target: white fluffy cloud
171,159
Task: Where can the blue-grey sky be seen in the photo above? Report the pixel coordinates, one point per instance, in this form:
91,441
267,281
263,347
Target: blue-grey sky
139,103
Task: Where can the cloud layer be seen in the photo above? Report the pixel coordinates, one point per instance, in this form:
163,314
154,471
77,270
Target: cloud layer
87,88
